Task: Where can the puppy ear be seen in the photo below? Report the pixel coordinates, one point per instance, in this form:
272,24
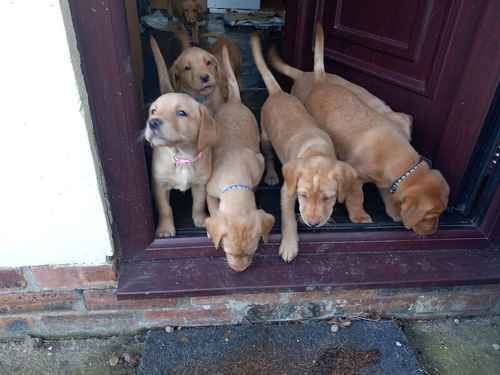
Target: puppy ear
216,228
345,175
411,214
174,76
291,171
207,134
267,222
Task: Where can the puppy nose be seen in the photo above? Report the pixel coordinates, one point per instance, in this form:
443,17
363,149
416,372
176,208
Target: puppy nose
205,78
154,123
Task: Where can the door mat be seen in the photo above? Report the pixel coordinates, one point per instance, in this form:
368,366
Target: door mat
365,347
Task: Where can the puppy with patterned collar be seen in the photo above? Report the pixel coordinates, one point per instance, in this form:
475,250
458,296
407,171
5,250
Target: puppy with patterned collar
235,221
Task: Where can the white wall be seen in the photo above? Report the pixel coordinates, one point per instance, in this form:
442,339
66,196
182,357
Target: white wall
51,211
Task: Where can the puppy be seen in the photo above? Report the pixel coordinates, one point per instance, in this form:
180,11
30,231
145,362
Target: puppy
376,143
198,73
181,132
188,10
310,168
238,166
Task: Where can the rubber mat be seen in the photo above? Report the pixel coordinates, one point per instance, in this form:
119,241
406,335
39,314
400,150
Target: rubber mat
365,347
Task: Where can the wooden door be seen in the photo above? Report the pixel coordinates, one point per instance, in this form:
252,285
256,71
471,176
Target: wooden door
436,60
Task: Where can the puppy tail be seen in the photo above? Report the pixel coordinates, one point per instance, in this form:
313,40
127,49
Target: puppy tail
161,67
271,83
181,33
319,48
283,67
232,83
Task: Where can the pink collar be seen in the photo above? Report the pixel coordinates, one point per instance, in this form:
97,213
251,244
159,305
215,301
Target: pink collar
186,161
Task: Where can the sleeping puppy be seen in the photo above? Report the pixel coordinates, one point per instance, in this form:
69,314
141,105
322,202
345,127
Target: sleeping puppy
235,222
310,168
181,132
377,145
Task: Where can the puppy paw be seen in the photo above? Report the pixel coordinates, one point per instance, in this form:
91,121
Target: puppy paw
394,217
361,218
289,250
199,220
165,229
271,178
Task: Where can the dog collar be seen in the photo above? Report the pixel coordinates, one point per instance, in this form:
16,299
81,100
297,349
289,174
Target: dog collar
201,99
395,185
186,161
236,187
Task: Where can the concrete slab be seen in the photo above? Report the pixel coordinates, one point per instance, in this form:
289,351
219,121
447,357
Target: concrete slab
457,346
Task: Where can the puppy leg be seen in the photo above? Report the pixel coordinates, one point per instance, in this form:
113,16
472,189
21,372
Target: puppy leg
213,205
289,247
354,204
271,177
392,209
199,193
166,226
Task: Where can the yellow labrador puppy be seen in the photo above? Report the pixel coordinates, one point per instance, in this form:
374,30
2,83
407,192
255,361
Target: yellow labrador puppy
235,222
376,145
310,167
181,132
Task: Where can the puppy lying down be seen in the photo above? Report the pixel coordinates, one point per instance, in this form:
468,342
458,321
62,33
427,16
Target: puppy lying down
181,132
310,167
376,143
235,222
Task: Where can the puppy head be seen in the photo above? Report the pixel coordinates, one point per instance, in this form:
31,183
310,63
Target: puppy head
191,10
318,182
179,120
196,72
239,235
424,201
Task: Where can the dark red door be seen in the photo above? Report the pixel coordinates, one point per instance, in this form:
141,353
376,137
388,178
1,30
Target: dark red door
434,59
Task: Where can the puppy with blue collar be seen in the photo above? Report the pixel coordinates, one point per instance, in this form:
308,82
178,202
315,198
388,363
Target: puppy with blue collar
235,222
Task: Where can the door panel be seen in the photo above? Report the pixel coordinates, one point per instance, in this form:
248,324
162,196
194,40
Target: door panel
438,60
396,41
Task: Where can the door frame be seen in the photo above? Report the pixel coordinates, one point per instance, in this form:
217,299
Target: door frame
117,117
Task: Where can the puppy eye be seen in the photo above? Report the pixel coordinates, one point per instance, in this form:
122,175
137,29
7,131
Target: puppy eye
181,114
153,111
209,63
187,67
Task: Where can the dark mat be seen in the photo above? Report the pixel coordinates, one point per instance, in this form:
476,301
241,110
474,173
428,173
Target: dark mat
374,348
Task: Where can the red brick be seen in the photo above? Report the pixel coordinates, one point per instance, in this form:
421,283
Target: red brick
189,317
48,277
15,327
84,324
251,299
106,300
11,279
21,302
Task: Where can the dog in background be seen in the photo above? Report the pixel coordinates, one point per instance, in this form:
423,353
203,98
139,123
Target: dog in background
310,168
235,221
376,143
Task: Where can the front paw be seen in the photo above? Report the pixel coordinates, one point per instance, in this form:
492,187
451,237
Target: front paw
271,178
289,249
360,218
199,220
394,217
165,229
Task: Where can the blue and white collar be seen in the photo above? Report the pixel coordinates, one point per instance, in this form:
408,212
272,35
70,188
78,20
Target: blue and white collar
395,185
236,187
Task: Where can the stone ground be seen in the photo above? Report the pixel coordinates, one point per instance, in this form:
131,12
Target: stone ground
444,347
